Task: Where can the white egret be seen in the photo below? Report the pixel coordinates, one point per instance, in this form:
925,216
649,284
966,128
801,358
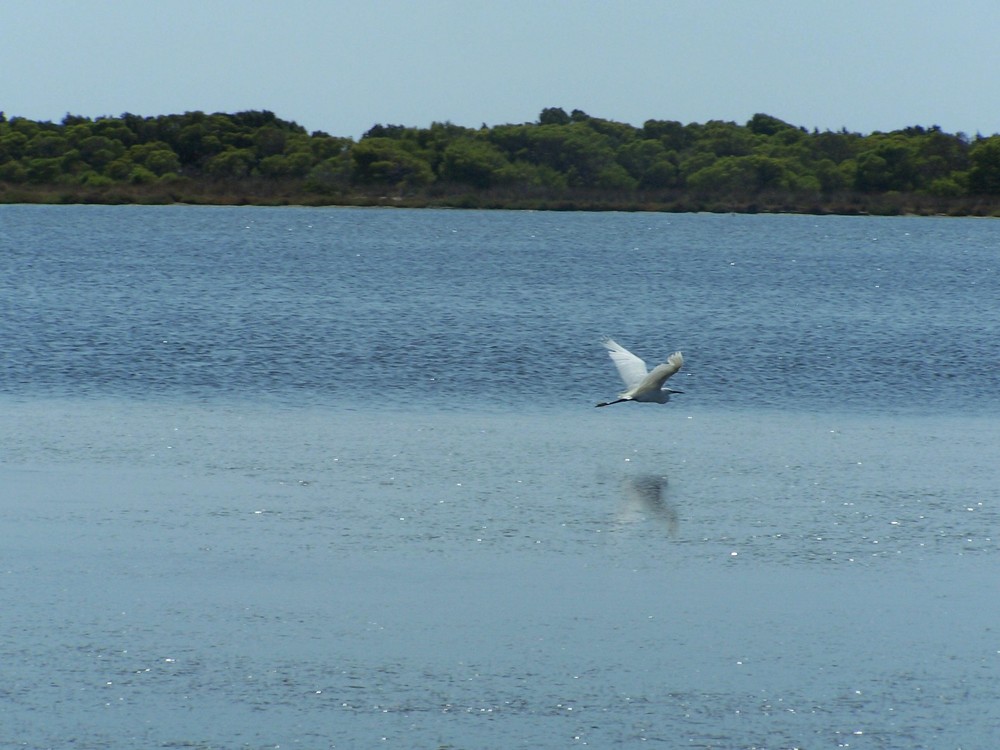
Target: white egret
639,384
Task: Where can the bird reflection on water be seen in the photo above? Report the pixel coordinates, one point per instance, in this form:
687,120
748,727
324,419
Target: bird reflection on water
643,497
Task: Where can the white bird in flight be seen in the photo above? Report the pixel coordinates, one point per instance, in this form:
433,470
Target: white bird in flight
639,384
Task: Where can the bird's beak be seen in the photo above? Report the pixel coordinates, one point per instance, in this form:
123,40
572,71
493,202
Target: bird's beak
673,391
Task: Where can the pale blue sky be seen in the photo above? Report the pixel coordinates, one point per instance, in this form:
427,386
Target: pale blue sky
343,66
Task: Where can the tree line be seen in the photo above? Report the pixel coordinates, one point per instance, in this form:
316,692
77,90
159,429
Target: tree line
562,160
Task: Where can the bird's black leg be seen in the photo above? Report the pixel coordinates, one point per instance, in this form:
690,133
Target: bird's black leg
608,403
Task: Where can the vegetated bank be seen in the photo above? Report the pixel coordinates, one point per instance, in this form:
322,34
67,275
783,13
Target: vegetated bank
560,162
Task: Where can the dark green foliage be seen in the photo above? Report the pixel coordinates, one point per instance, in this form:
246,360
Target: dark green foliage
761,124
231,163
553,116
472,161
984,174
98,151
560,161
388,162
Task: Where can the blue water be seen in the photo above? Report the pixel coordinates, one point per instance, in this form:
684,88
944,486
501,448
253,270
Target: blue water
327,306
333,478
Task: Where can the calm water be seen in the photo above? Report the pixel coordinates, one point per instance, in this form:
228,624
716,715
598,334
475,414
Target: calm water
333,478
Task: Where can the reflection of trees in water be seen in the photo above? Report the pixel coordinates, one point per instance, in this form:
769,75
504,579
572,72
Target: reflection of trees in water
644,497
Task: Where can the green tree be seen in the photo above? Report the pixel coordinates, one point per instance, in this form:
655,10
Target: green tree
693,161
269,141
91,178
885,164
195,144
26,127
156,156
77,132
43,170
953,186
98,151
830,176
299,163
553,116
473,162
13,145
761,124
940,155
275,166
575,150
616,134
72,163
670,133
724,139
837,147
113,129
47,144
233,163
531,176
984,171
13,171
141,176
638,156
615,177
323,146
119,169
330,176
560,151
385,161
662,173
734,176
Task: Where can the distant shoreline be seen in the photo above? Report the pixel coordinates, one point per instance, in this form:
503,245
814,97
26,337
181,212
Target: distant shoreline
233,195
562,162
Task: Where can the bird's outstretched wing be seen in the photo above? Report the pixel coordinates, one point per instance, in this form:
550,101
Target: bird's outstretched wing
630,367
659,374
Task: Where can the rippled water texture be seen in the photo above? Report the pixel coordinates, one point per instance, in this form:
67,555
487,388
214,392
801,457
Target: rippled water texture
485,308
333,478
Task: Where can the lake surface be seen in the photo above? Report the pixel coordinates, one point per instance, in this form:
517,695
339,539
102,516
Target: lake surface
333,478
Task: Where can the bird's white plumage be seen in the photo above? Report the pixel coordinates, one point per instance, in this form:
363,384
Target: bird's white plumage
655,379
630,367
641,385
